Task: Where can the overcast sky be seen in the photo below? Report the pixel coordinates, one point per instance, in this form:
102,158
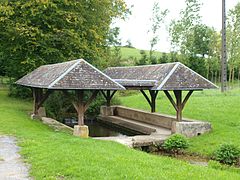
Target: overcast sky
135,28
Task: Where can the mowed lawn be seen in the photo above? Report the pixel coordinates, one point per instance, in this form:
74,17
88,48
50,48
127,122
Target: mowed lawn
222,110
58,155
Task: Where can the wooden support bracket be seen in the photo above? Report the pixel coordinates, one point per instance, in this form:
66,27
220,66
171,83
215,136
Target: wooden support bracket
81,106
152,101
179,104
39,98
108,96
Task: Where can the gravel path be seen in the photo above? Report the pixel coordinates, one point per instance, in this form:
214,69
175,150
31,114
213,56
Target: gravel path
11,164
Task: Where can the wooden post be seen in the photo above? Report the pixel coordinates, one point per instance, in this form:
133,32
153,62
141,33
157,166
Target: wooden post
153,95
80,107
178,95
35,101
152,101
39,98
108,96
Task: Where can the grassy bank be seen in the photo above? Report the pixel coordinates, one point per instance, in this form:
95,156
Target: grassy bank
57,155
222,110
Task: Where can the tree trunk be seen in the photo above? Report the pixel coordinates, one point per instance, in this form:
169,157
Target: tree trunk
233,73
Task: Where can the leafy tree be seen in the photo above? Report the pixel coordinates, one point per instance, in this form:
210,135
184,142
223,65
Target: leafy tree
180,29
233,43
197,43
144,59
157,20
163,58
43,32
129,44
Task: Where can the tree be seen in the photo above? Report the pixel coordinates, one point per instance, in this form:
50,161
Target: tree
179,29
143,60
197,43
34,33
129,44
163,58
157,20
233,43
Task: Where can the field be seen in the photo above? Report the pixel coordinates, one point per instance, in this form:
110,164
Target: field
58,155
127,53
222,110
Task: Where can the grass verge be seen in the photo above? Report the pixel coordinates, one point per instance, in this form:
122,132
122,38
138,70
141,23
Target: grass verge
58,155
221,110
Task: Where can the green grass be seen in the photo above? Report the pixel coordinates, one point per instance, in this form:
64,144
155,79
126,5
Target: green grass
58,155
132,52
222,110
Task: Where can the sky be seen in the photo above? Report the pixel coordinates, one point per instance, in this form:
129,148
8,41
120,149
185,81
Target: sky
136,27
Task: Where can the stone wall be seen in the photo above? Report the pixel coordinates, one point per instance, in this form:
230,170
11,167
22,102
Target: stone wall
138,115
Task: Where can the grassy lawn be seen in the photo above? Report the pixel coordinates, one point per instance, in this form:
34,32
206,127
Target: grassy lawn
58,155
222,110
132,52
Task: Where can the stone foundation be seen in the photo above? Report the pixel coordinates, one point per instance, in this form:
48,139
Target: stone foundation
191,128
81,131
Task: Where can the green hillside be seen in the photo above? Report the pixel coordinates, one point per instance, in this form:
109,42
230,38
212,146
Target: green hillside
133,52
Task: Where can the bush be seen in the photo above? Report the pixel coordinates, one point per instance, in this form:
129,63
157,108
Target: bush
175,143
227,154
18,91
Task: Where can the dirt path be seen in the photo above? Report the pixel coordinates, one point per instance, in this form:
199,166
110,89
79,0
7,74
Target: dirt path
11,164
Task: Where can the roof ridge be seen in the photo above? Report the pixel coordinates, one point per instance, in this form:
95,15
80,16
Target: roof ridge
103,74
142,65
65,73
58,63
168,76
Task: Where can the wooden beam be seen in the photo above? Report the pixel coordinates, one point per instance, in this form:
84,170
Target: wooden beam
113,93
108,96
104,95
93,96
44,97
146,97
171,100
186,98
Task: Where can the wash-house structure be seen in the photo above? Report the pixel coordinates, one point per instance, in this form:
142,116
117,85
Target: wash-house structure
80,76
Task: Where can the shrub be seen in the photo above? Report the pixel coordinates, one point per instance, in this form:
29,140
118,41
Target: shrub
175,143
18,91
227,154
